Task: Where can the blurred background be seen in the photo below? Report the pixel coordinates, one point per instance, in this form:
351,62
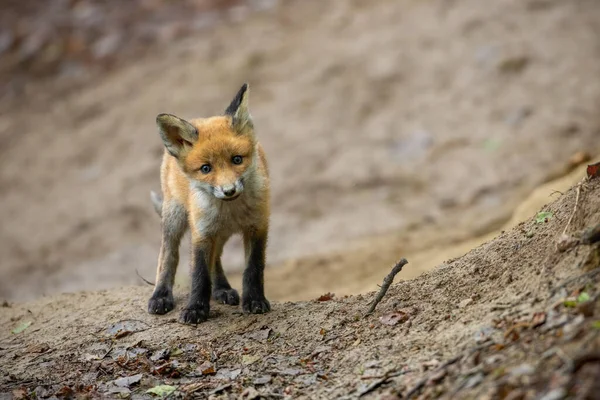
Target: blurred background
393,128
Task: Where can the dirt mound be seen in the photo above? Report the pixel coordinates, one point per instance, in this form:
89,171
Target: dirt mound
514,318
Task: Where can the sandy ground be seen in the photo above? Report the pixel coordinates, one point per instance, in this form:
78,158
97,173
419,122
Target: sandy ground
390,127
512,319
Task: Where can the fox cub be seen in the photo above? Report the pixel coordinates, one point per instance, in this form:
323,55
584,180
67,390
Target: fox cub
215,181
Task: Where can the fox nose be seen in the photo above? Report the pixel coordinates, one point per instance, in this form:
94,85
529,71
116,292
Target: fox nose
230,191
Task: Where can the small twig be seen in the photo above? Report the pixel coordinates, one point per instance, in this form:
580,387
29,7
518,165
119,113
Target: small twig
142,278
574,207
387,281
379,382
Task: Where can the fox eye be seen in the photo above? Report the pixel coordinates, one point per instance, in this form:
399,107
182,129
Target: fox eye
206,168
237,160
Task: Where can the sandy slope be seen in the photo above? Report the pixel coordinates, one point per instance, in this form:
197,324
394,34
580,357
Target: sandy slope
491,324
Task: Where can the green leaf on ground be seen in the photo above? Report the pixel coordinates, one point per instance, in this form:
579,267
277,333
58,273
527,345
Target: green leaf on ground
21,327
570,303
596,324
583,297
543,216
162,390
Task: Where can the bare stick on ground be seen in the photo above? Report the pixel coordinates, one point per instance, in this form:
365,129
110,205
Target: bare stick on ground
574,208
387,281
144,279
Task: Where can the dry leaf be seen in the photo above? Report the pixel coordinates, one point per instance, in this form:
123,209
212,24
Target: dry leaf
539,318
593,171
261,335
127,381
326,297
394,318
207,369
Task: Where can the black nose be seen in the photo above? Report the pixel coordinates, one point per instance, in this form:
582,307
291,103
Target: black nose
229,192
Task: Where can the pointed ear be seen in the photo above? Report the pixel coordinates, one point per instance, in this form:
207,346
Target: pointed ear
239,112
176,133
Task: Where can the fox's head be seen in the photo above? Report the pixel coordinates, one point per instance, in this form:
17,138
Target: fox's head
216,153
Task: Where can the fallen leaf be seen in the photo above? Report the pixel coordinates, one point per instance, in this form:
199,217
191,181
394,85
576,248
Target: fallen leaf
206,368
168,369
326,297
538,319
175,352
192,387
97,351
21,327
260,335
596,324
247,359
583,297
262,380
64,391
160,355
161,390
543,216
570,302
127,381
593,171
394,318
126,327
228,374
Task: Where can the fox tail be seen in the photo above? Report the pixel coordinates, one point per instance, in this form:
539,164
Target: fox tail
156,202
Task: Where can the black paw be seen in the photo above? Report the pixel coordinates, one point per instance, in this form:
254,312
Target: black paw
227,296
161,302
256,305
194,314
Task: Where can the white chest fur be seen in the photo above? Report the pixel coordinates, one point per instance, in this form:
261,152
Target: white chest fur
224,218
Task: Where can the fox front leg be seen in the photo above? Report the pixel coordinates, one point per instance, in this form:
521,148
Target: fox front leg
253,297
174,224
198,306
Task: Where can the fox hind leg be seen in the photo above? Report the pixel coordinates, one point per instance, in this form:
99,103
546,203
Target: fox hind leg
174,224
253,297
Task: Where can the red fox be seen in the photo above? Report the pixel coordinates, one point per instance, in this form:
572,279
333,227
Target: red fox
214,180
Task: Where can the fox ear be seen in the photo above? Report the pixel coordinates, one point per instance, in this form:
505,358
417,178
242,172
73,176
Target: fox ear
176,133
239,112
